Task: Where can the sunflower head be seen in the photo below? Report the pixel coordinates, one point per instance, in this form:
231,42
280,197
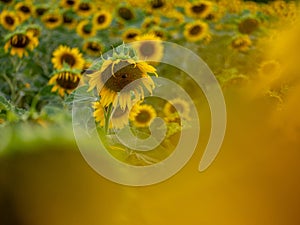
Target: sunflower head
20,42
130,34
141,115
120,77
248,25
68,4
195,31
125,13
40,10
24,9
52,19
9,20
241,43
85,29
102,19
69,20
64,81
69,56
177,108
84,8
199,9
92,47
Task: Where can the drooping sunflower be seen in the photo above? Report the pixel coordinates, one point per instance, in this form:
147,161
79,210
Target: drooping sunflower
198,9
177,107
241,43
85,29
64,81
9,20
24,9
84,8
68,4
130,34
149,47
20,42
66,55
102,19
125,13
92,47
118,119
195,31
113,80
52,19
142,115
248,25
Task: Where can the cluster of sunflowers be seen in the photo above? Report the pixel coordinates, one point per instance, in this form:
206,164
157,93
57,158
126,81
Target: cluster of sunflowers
48,50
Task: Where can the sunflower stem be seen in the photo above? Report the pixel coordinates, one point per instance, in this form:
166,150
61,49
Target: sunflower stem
107,118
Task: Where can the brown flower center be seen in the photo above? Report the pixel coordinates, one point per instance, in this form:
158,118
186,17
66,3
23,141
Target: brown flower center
131,35
9,20
69,82
156,4
101,19
6,1
40,11
121,74
198,9
69,59
19,41
25,9
84,6
147,49
143,116
52,19
195,30
125,13
70,2
248,25
94,47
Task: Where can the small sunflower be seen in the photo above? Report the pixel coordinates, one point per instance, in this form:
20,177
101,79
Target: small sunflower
66,55
113,80
177,107
68,4
241,43
40,10
195,31
92,47
248,25
52,20
34,29
85,29
198,9
20,42
102,19
125,13
118,119
9,20
142,115
69,20
149,47
24,9
159,33
149,22
64,81
84,9
130,34
158,5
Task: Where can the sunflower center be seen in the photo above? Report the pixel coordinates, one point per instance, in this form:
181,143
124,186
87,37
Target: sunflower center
84,6
125,13
25,9
199,8
70,2
19,41
101,19
93,47
147,49
195,30
52,19
69,59
156,4
143,116
40,11
67,80
159,34
9,20
248,26
131,35
122,74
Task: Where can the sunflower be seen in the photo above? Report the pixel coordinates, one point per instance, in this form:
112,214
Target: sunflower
84,9
64,81
149,47
159,33
177,107
102,19
142,115
52,20
85,29
92,47
68,4
150,22
241,43
118,119
9,20
248,25
195,31
198,9
20,42
6,2
40,10
24,9
65,55
125,13
130,34
69,20
34,29
158,5
113,80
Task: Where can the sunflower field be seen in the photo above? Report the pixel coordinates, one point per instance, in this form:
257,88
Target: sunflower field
63,60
